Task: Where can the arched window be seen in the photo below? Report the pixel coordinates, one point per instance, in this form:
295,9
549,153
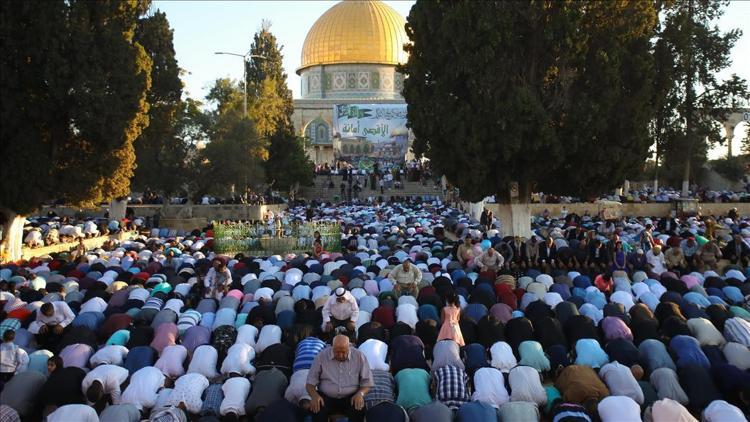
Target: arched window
317,131
322,133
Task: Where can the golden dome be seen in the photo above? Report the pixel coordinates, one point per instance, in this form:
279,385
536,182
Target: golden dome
356,31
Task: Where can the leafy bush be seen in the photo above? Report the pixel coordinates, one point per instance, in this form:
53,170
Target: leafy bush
730,168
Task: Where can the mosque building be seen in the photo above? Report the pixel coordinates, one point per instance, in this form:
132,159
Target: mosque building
348,61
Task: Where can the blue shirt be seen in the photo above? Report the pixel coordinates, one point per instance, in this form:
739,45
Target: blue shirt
476,411
139,357
688,352
306,351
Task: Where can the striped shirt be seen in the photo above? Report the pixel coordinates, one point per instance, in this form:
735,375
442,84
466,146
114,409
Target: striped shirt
737,330
451,386
307,349
382,391
153,303
188,319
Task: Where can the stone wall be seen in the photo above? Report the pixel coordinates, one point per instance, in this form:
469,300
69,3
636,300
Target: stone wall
183,213
91,243
634,209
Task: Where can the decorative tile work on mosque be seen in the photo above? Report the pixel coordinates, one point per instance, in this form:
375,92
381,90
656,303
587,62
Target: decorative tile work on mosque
339,81
375,80
366,81
363,80
315,81
387,80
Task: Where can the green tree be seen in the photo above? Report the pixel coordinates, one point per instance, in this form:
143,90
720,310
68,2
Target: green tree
545,94
664,127
746,139
74,84
700,50
271,108
235,154
161,155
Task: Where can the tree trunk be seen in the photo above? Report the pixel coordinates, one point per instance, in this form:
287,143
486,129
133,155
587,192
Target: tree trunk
656,168
513,210
474,209
117,209
689,106
515,219
12,242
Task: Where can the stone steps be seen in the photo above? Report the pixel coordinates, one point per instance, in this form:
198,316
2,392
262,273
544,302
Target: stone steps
410,189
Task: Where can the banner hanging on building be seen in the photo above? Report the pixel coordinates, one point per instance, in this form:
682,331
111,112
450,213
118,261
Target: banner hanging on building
370,131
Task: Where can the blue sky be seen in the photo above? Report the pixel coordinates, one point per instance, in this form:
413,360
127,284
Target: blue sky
203,27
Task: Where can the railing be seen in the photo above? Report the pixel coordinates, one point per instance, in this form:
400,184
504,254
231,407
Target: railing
261,239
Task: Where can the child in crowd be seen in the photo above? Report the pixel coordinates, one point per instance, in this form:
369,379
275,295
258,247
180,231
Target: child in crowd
13,359
451,315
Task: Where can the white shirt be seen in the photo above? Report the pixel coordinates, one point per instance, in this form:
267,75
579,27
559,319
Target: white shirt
737,355
238,360
95,304
144,384
656,261
113,354
247,334
619,409
296,390
721,411
525,385
204,361
375,351
269,335
489,387
89,227
705,331
188,389
73,412
502,356
407,313
348,310
138,294
13,359
621,382
61,316
235,391
171,361
111,377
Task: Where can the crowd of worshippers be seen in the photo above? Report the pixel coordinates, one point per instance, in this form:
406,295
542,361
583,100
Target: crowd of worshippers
648,194
396,326
585,244
53,230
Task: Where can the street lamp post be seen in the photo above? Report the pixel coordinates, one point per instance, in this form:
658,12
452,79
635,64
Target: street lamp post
245,57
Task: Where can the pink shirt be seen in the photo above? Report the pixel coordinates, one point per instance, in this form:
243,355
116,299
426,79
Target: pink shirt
164,335
76,355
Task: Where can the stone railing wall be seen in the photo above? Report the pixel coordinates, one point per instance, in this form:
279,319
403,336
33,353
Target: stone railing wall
90,243
636,209
185,217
